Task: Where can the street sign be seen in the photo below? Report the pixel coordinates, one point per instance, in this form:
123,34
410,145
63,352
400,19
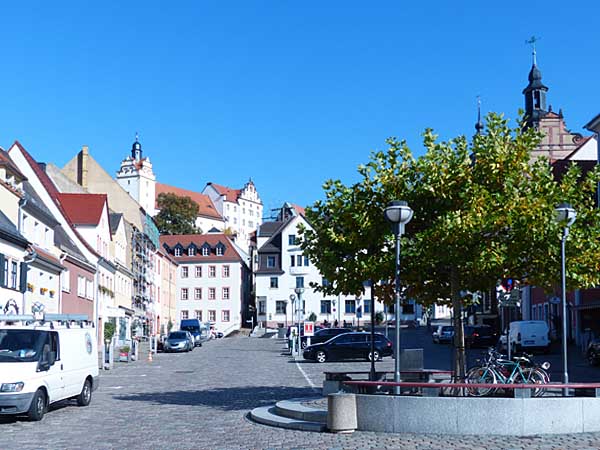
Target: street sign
511,300
359,312
309,329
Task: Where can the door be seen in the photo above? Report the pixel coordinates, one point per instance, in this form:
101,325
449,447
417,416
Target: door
338,347
52,374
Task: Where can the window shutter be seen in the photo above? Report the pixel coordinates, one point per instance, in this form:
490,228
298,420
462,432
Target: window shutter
23,278
2,280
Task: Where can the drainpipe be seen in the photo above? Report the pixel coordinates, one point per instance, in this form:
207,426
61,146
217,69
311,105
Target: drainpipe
30,257
22,204
61,258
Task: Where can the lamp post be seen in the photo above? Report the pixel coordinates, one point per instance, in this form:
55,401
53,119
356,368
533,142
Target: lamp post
565,215
292,340
299,292
398,213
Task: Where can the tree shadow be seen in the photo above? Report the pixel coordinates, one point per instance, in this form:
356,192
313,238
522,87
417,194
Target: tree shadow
225,399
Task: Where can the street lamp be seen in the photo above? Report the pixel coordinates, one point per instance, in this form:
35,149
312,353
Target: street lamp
398,213
299,292
565,215
292,340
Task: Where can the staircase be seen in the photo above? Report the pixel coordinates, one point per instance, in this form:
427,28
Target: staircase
293,415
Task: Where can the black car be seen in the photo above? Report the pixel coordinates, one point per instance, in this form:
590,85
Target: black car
349,346
323,335
480,336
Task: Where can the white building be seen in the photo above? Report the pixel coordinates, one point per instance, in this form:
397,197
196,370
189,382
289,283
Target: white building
241,209
213,279
137,177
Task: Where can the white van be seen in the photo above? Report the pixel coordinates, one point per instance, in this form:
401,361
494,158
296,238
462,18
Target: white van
46,360
529,335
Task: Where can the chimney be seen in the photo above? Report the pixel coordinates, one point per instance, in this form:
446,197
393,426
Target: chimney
82,167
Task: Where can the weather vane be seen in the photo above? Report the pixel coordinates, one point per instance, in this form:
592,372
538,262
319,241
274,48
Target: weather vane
531,41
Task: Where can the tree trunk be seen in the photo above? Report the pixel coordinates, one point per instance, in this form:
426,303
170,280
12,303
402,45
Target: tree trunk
459,335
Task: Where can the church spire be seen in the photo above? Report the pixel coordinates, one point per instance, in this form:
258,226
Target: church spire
136,148
535,92
479,124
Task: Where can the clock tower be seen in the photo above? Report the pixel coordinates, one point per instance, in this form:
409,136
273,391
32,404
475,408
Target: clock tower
137,177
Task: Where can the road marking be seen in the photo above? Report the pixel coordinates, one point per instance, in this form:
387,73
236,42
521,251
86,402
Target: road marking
306,377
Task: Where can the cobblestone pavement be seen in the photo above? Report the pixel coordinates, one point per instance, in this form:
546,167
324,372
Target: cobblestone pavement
200,400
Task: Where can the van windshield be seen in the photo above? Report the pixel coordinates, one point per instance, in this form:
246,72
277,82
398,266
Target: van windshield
191,329
21,345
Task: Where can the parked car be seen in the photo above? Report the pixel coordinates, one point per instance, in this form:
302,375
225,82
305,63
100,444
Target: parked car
528,335
593,352
194,326
443,334
179,341
480,336
349,346
323,335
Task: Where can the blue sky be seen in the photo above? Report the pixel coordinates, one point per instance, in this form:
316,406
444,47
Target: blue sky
289,93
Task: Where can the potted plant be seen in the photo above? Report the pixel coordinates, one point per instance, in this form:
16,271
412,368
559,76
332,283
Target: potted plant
52,292
30,287
43,290
124,353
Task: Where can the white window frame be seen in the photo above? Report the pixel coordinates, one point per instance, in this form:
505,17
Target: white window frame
65,280
198,271
212,271
212,293
212,315
184,294
197,293
225,315
226,293
185,272
226,271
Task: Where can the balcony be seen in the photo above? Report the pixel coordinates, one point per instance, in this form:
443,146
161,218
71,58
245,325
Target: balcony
299,270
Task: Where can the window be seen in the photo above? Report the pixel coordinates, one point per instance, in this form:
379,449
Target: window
184,293
225,315
280,306
270,261
299,282
292,239
306,261
262,307
225,293
198,271
192,251
65,280
89,289
212,271
367,306
350,307
198,314
325,282
250,223
225,271
408,308
178,253
325,306
184,315
184,272
219,250
13,274
197,293
292,260
212,293
212,315
298,260
5,272
274,282
205,251
81,286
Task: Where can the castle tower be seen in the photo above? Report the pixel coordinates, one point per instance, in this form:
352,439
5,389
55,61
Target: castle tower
137,177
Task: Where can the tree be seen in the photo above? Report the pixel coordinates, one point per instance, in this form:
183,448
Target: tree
483,210
177,215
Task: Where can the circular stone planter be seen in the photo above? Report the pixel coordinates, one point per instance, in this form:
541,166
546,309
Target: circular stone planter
477,416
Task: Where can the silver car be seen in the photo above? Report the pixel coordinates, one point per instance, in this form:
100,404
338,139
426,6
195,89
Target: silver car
179,341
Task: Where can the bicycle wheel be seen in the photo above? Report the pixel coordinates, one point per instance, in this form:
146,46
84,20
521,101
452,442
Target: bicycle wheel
480,375
534,376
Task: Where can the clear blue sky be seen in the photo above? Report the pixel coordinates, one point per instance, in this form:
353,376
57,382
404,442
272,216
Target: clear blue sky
289,93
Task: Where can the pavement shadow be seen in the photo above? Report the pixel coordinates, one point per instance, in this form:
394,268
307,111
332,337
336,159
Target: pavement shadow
226,399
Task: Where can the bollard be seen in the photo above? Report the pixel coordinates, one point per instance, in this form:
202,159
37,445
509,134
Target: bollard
341,413
150,356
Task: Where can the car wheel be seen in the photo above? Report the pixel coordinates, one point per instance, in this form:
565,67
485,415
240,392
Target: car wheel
38,406
303,344
375,355
321,356
85,397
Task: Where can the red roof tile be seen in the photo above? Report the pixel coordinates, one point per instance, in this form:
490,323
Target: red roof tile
205,204
299,209
199,240
231,195
83,209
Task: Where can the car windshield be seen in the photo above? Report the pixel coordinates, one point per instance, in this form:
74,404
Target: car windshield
21,345
178,335
447,329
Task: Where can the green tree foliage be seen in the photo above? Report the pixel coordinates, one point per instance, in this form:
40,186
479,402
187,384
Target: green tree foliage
177,215
483,210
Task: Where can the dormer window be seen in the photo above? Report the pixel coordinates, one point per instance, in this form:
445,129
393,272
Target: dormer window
192,250
205,250
220,249
177,251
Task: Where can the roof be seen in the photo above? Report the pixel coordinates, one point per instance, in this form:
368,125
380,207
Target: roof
299,209
231,195
205,204
594,124
580,144
64,242
114,220
212,239
48,258
560,167
83,209
8,231
5,161
267,229
34,203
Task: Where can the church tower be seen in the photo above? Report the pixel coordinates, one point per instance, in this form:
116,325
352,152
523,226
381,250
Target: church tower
535,94
137,177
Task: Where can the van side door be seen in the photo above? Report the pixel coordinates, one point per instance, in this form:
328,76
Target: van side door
50,367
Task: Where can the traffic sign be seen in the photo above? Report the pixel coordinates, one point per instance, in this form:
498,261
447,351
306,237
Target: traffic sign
309,329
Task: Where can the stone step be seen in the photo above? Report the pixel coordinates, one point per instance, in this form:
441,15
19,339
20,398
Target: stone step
267,416
294,409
